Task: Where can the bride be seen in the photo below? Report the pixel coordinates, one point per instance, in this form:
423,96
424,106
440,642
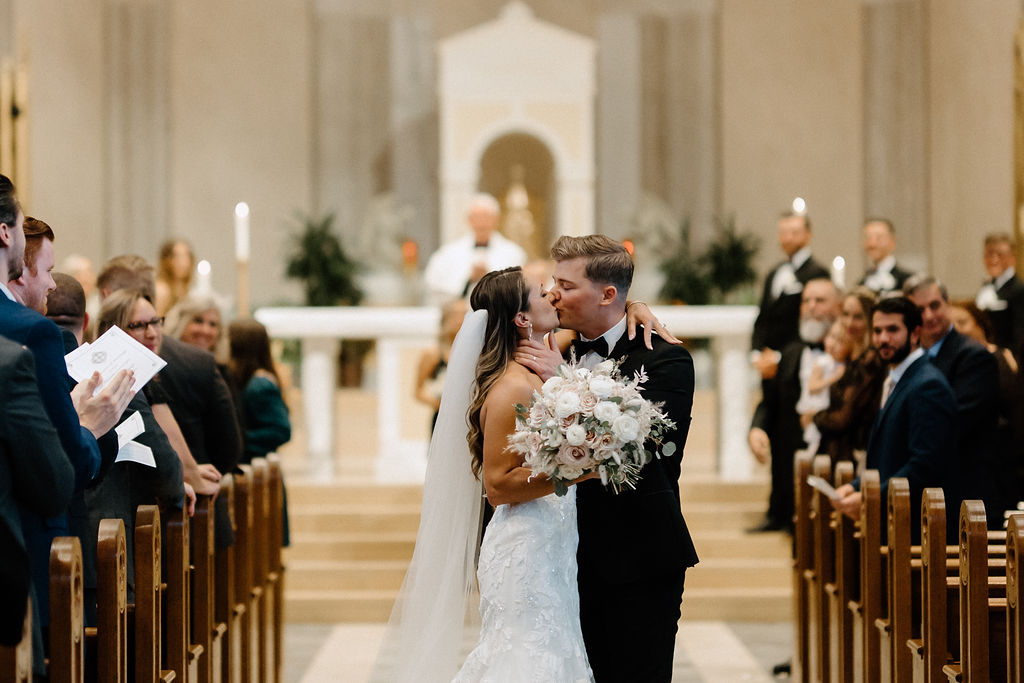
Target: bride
529,603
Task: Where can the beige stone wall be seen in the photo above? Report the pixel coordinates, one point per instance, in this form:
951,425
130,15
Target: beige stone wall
791,118
151,118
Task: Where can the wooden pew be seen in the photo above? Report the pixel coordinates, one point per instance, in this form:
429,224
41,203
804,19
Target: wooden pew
275,569
148,598
242,652
16,661
181,655
895,627
821,573
1015,599
976,609
930,652
109,639
67,621
842,589
868,605
226,610
260,567
803,559
206,630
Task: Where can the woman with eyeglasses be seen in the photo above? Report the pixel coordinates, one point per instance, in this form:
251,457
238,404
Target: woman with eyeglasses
133,312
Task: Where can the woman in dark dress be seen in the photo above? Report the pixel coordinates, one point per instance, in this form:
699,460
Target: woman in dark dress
854,399
266,425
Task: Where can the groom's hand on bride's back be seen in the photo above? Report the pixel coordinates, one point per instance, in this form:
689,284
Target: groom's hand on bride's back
542,359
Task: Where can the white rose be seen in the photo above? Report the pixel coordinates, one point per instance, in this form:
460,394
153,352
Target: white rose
575,435
567,404
605,367
606,411
626,428
554,439
550,387
602,386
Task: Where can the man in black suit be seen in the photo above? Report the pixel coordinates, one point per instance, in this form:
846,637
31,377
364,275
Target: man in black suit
884,275
83,425
983,468
775,431
634,546
779,314
1002,296
36,478
914,434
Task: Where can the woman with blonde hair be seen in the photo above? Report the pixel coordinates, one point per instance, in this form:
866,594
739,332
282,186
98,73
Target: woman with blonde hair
197,320
174,273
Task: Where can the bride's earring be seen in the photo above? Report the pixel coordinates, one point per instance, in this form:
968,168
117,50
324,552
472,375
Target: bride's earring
529,329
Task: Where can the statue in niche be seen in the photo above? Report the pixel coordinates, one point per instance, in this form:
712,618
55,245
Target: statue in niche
519,225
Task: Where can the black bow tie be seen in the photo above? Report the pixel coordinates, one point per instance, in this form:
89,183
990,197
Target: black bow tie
598,346
816,346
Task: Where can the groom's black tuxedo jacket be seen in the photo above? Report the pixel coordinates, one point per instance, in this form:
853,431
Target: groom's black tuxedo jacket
635,534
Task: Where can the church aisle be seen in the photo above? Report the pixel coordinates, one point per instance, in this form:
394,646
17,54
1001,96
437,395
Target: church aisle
706,651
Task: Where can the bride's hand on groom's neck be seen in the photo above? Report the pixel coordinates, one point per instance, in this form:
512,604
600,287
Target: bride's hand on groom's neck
541,358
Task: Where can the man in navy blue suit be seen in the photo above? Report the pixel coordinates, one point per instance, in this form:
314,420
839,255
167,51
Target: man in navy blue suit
80,423
914,434
984,466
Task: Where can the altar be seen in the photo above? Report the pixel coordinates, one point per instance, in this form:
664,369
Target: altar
399,459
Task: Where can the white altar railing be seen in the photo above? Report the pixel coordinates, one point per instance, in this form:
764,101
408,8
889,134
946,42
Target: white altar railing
393,328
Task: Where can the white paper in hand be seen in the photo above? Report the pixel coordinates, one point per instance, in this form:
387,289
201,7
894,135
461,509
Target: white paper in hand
133,451
114,351
129,429
820,484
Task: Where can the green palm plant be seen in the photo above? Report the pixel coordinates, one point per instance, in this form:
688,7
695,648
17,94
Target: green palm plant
318,259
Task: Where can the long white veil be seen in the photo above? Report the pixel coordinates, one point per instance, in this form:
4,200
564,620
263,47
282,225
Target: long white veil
424,637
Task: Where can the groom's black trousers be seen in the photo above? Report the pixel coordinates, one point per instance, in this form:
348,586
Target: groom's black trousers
630,629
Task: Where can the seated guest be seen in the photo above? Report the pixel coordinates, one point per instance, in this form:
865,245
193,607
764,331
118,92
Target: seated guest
853,400
971,321
915,433
197,320
980,465
827,370
433,362
267,426
36,478
197,394
134,314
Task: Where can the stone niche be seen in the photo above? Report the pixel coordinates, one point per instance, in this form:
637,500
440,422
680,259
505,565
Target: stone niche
520,85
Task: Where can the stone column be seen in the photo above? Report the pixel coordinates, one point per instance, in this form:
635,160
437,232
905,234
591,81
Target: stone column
618,120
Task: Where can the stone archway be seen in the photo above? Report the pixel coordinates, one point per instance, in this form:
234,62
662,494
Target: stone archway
519,170
518,76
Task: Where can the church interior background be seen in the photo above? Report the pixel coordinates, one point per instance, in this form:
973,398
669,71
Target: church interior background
141,120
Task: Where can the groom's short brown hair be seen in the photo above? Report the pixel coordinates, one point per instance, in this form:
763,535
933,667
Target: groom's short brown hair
608,262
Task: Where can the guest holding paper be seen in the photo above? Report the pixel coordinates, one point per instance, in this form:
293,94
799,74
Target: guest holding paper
82,419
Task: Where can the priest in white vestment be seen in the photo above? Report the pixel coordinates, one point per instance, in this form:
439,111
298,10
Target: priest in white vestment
454,268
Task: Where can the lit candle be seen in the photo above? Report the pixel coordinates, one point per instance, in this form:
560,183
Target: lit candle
203,279
799,206
242,231
839,272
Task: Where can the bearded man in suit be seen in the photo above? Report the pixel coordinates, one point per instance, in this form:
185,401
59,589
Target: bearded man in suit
635,543
914,434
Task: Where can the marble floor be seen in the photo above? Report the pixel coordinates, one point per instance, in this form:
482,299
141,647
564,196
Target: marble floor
706,651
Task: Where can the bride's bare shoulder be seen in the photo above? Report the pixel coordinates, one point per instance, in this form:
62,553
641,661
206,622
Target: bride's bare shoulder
515,386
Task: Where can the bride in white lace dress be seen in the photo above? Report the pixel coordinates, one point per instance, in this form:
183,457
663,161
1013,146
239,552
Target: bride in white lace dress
529,604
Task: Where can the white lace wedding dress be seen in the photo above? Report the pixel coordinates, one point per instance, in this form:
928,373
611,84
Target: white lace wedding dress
529,603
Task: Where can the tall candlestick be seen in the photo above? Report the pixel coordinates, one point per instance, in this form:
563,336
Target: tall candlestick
241,231
839,272
203,278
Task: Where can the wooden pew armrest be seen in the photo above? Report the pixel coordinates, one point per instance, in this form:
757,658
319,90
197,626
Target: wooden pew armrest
916,646
195,651
882,624
953,672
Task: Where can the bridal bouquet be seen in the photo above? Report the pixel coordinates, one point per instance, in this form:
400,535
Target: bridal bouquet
583,421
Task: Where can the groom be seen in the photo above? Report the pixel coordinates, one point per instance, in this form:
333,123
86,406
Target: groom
634,547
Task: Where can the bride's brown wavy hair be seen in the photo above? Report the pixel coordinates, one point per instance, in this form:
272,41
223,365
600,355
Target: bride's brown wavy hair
503,294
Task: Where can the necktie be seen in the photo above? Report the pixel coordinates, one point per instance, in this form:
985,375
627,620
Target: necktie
886,390
598,346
